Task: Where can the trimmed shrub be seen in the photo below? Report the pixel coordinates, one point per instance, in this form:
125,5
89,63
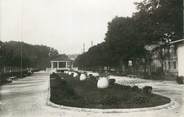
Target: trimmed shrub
54,75
112,81
126,87
180,79
135,88
71,74
147,90
91,76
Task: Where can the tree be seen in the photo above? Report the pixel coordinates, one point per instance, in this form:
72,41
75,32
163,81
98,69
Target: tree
96,56
159,20
20,54
123,39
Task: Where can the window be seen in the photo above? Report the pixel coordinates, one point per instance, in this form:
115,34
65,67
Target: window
62,64
174,63
55,64
169,65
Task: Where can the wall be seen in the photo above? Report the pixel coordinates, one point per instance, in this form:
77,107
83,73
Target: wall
180,54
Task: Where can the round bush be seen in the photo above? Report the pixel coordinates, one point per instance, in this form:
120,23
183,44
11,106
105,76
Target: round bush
54,75
135,88
147,90
112,81
180,79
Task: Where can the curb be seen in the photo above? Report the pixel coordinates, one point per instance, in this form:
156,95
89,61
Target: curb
173,104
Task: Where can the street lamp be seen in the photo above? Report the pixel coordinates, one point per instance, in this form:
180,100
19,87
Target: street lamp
0,59
158,4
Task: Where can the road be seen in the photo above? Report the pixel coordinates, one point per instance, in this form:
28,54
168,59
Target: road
27,98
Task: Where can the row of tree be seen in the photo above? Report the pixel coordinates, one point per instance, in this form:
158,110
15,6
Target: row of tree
23,55
156,21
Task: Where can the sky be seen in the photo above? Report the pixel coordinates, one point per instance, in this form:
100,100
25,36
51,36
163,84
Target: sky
62,24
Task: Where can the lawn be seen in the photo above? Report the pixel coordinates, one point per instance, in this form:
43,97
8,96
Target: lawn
69,91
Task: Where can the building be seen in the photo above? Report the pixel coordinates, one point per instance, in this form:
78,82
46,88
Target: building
179,45
169,58
61,63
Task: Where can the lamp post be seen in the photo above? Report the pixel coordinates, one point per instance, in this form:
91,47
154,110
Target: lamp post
183,19
0,60
2,54
21,37
130,66
158,4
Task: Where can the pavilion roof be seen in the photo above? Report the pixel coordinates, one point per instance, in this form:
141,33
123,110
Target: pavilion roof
61,58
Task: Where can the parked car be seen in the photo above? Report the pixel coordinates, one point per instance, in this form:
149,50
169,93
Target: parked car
6,80
9,80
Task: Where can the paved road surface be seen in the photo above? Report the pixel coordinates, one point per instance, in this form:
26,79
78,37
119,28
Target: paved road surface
27,98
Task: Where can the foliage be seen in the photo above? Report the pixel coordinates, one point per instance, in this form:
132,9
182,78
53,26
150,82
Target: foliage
20,54
112,81
180,80
140,99
96,56
110,100
54,75
159,20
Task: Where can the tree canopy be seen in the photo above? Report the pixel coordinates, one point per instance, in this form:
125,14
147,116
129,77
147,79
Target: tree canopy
20,54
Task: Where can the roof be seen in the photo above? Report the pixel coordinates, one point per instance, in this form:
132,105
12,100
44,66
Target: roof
61,58
177,41
151,47
156,46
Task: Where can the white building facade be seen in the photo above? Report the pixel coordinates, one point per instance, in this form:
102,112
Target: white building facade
180,56
61,64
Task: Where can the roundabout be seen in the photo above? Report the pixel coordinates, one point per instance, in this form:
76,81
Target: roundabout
173,104
170,105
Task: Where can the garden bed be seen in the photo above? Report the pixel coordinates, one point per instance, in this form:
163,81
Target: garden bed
69,91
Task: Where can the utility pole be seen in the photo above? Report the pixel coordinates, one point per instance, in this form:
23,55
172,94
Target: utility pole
0,33
91,43
21,35
0,20
83,47
183,19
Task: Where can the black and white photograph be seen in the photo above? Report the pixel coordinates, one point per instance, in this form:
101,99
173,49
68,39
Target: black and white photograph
91,58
